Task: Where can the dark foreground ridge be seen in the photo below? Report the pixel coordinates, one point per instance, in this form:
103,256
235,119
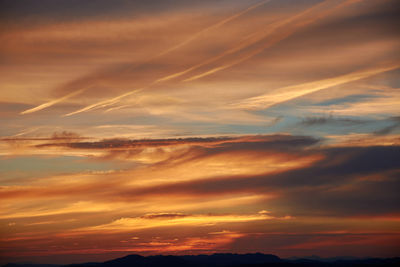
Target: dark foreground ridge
225,260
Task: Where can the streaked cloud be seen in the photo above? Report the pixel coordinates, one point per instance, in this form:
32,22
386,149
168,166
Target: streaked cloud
189,127
133,224
115,99
291,92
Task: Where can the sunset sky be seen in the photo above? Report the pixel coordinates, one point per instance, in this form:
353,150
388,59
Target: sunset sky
198,127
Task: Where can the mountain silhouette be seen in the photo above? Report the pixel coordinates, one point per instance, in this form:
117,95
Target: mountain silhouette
226,260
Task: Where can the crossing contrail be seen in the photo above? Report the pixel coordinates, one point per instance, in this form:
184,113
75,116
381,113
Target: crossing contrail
219,24
275,31
248,42
277,34
185,42
105,103
52,102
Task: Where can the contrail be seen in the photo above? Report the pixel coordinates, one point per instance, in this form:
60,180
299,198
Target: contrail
53,102
279,36
291,92
116,108
213,27
105,103
249,41
253,39
190,39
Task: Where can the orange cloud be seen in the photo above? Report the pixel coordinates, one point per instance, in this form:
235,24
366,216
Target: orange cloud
108,102
291,92
145,222
52,102
277,32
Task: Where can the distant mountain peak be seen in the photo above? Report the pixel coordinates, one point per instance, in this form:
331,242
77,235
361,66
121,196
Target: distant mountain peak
227,260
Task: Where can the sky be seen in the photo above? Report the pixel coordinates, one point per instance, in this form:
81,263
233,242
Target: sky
197,127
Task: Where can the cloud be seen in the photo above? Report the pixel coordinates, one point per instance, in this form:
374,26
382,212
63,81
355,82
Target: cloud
291,92
279,141
163,215
316,121
52,102
90,81
334,180
134,224
249,41
219,24
277,32
271,30
276,166
363,140
76,207
389,129
246,185
378,102
199,166
104,103
56,136
131,144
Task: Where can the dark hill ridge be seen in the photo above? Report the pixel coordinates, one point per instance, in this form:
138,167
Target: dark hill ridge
225,260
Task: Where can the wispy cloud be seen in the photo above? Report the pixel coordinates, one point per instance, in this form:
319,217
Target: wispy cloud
52,102
214,26
251,40
285,94
199,127
132,224
115,99
277,32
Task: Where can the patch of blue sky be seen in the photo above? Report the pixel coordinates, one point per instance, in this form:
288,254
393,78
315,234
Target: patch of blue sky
345,100
295,118
338,126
